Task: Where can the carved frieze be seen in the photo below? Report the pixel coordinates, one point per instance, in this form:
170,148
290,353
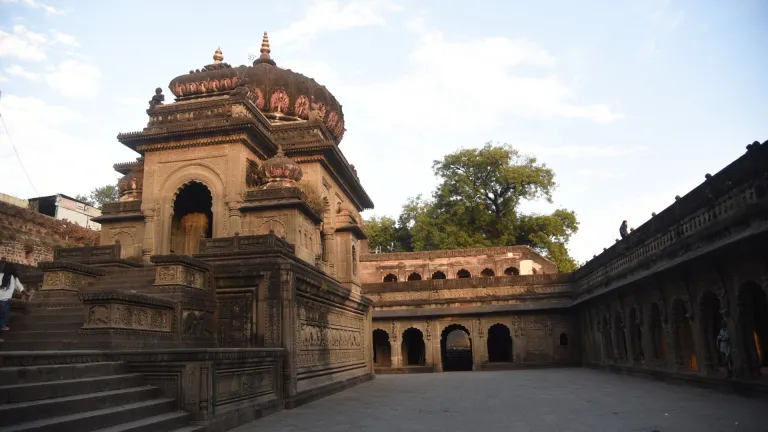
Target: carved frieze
329,335
124,316
65,280
180,275
197,323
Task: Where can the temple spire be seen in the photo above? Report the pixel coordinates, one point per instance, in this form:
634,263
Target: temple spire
265,50
217,56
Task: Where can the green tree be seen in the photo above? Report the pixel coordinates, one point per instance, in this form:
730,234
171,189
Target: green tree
100,196
477,205
386,233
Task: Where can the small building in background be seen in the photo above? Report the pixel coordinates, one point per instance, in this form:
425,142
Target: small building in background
63,207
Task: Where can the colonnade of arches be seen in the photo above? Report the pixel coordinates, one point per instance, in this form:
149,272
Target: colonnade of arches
461,274
456,347
687,334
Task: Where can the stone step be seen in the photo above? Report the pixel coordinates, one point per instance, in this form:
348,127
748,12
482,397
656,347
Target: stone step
53,318
40,374
16,393
37,325
159,423
97,419
41,345
40,335
17,413
190,428
41,309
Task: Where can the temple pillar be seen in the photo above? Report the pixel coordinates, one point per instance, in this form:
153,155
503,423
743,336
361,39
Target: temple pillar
235,217
147,244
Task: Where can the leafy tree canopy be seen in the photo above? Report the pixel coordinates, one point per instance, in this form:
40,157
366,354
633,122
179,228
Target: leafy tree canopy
476,204
100,196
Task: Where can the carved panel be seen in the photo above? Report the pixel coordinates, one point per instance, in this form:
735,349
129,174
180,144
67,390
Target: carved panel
197,323
272,324
65,280
237,384
236,320
180,275
134,317
329,335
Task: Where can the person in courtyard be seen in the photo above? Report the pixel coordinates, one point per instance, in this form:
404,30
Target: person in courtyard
9,283
623,229
724,345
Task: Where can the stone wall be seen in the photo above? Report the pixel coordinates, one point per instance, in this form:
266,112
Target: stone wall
29,237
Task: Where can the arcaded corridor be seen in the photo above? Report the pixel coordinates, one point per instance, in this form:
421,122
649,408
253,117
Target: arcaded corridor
574,399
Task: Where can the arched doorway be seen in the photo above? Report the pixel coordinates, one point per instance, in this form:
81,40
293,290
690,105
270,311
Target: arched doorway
499,344
684,343
390,278
636,336
414,276
511,271
621,338
192,218
463,274
487,273
438,275
658,339
753,323
412,348
711,322
382,349
456,348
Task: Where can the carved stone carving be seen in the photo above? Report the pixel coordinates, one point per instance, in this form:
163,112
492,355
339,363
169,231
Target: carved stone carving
197,323
124,316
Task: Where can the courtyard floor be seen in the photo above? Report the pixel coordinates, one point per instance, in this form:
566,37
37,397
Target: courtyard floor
552,400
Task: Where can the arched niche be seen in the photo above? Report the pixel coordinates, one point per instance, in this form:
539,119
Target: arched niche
414,277
382,349
390,278
511,271
487,272
438,275
499,343
413,348
463,274
456,348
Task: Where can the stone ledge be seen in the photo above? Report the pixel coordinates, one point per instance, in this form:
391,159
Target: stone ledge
126,296
181,259
71,266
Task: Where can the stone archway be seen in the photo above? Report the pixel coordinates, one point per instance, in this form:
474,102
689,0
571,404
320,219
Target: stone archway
438,275
415,276
499,344
192,218
487,273
412,347
685,346
456,348
511,271
711,320
658,337
390,278
753,324
463,274
382,349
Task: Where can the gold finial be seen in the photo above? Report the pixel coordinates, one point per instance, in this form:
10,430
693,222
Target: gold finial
217,56
265,45
264,57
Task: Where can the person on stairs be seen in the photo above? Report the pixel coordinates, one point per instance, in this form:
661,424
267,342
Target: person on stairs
9,283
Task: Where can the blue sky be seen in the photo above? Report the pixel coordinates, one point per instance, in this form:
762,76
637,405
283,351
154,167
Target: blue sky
631,103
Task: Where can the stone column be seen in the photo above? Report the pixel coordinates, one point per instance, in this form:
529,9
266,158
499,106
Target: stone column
148,243
395,342
480,345
233,207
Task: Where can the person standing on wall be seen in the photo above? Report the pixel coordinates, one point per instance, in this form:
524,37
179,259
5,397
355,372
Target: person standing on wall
9,283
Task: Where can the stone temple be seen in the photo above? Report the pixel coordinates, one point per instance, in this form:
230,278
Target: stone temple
233,280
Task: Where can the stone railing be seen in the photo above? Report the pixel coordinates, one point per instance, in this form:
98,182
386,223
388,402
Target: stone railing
244,244
734,192
481,282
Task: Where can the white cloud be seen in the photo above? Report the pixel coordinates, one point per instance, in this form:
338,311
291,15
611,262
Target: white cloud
471,85
22,44
3,78
75,79
64,39
60,149
18,71
331,15
34,4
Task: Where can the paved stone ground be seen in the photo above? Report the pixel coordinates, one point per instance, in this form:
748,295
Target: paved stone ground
552,400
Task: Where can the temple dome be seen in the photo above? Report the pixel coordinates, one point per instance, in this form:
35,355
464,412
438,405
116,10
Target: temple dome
281,94
280,171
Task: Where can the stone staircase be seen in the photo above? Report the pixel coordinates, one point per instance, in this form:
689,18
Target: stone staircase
55,326
87,397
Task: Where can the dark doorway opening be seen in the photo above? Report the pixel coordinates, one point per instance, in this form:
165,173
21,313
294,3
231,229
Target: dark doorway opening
192,218
382,350
413,348
499,344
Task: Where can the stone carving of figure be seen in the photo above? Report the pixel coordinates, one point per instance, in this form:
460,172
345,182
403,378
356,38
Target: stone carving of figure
158,98
623,229
724,345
